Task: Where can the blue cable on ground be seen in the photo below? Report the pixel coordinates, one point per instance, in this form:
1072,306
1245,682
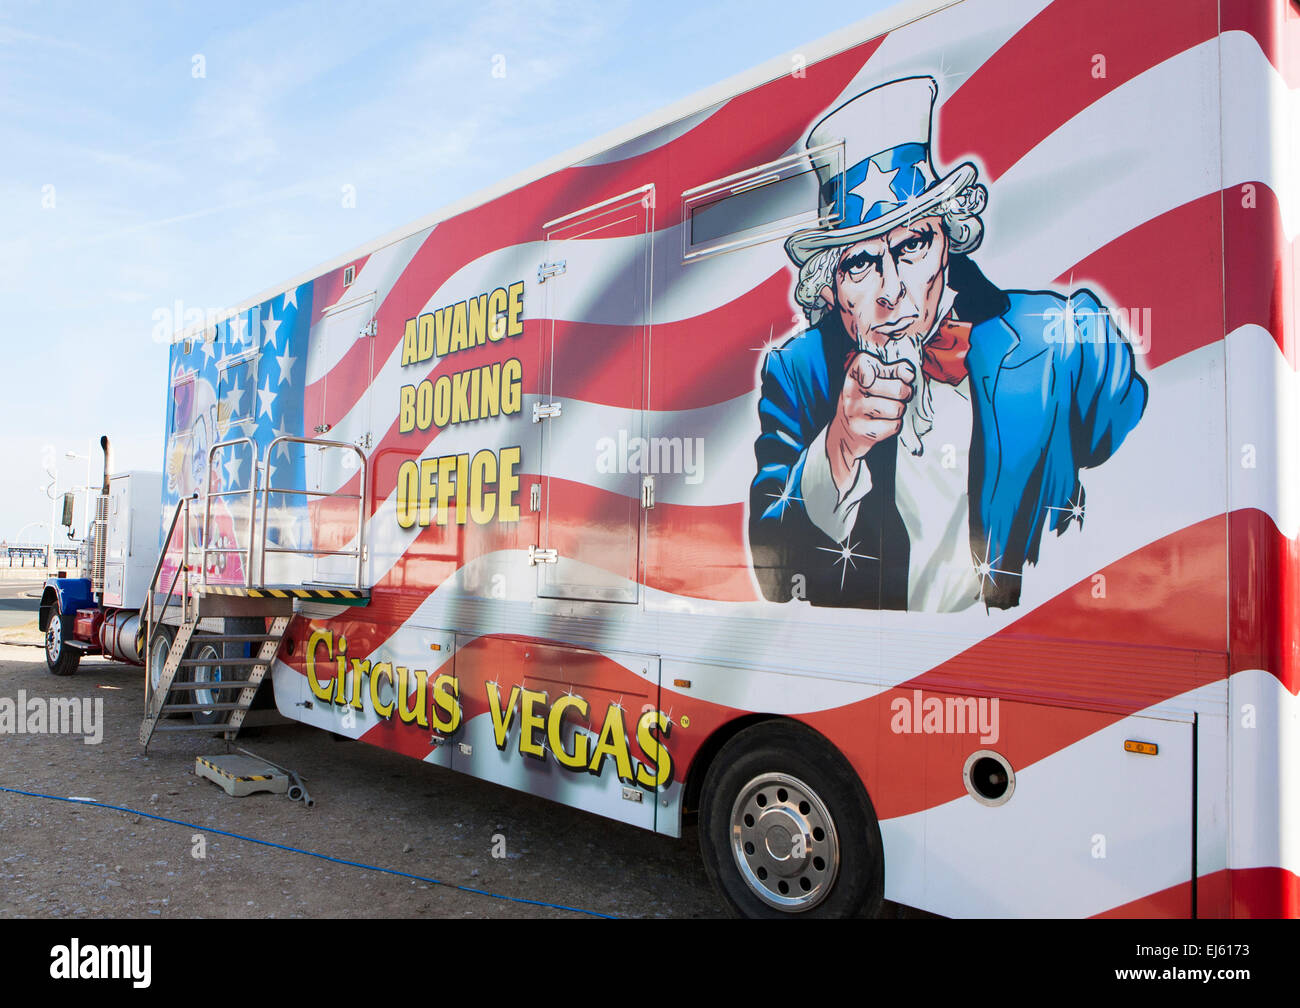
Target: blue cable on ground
298,850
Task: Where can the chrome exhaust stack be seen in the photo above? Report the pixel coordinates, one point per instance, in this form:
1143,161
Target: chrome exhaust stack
97,548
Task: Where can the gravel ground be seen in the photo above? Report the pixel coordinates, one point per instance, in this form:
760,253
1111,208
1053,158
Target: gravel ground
59,859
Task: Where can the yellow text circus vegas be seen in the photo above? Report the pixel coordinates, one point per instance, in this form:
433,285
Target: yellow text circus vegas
485,485
435,704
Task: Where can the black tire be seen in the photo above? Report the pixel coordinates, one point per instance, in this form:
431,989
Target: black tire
160,646
776,782
60,657
264,698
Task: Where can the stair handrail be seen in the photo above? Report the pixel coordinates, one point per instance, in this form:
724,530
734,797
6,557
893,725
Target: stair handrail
209,493
360,498
150,624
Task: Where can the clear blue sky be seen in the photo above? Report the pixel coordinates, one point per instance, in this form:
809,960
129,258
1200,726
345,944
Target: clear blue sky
129,182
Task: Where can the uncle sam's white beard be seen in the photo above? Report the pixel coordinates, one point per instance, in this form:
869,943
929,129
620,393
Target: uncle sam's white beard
918,415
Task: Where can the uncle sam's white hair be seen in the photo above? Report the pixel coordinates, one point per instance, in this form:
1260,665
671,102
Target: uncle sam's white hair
959,217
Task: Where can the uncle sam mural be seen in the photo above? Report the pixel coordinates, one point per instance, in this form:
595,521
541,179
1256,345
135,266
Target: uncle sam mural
920,434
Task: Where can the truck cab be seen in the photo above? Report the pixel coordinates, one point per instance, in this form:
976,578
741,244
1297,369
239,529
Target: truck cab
98,612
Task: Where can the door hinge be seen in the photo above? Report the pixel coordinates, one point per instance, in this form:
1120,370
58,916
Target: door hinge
647,492
364,441
550,269
540,556
542,411
369,329
535,497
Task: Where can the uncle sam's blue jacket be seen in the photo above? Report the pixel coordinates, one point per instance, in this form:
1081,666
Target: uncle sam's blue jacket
1053,390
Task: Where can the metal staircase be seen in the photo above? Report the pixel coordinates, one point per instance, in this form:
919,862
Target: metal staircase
197,670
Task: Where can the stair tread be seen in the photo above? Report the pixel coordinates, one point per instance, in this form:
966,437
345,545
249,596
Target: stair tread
199,662
172,726
223,684
232,638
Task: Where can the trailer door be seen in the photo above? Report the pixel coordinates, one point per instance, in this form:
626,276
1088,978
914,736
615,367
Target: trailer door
595,278
344,338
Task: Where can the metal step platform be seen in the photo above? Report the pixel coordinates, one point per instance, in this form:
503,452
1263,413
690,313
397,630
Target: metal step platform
339,596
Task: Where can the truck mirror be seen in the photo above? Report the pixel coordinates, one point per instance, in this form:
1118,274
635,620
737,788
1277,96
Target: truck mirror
68,502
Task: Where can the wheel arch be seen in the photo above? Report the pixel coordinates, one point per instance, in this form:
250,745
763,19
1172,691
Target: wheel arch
49,604
64,595
708,752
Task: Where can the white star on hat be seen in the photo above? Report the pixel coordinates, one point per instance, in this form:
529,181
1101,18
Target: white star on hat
875,187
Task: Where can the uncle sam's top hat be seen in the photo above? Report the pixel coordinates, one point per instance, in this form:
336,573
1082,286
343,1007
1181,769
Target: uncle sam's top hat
888,179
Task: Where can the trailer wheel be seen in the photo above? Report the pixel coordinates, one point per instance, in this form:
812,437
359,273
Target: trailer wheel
787,830
59,656
207,674
160,647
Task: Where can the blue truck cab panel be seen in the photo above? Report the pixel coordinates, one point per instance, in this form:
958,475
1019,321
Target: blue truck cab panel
66,596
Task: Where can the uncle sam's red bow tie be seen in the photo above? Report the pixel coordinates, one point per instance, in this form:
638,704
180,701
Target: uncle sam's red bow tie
943,358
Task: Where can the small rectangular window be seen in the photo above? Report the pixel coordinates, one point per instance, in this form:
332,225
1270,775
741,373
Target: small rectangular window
349,274
763,203
182,403
236,394
184,422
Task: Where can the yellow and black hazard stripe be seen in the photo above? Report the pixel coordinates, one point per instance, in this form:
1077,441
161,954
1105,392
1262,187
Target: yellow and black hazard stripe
333,594
228,775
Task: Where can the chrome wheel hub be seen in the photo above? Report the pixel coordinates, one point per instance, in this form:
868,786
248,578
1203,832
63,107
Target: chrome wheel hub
784,842
207,674
54,638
